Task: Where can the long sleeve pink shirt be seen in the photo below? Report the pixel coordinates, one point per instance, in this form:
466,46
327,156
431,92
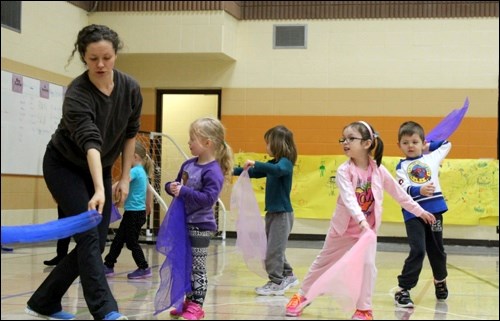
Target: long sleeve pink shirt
347,203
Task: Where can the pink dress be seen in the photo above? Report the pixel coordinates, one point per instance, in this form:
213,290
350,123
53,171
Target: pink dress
345,267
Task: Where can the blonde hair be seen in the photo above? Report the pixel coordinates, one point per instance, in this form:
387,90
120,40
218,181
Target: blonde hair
212,129
146,160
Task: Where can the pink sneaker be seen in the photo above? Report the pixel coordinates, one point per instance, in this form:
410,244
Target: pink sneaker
177,314
193,311
362,315
295,305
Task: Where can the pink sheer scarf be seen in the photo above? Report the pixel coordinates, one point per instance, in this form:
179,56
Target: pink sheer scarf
344,279
251,239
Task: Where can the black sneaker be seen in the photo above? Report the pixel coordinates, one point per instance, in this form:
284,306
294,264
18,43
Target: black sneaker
441,290
54,261
402,299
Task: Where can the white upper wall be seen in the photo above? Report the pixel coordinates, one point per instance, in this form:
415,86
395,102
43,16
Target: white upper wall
410,53
406,53
48,34
172,32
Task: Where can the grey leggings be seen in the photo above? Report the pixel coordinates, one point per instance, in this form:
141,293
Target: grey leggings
278,228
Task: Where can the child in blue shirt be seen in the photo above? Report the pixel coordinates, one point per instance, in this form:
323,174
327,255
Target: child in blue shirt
137,207
278,206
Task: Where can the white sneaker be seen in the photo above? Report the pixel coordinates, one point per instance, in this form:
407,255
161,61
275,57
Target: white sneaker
271,288
290,281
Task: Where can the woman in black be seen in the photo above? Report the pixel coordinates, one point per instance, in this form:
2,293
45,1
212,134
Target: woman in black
101,117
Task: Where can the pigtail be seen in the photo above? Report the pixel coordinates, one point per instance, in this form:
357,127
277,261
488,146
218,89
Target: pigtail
225,159
379,150
368,133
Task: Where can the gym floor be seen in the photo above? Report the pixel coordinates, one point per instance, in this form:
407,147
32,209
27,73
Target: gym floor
472,283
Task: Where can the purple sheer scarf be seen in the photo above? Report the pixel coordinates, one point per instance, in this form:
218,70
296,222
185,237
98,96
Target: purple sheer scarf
115,214
251,239
175,272
449,124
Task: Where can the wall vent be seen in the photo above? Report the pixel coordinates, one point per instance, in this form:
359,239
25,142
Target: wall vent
290,36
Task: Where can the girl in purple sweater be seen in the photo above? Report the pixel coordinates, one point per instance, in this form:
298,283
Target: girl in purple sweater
199,184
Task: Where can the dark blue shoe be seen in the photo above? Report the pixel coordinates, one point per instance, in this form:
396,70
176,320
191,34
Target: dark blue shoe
113,315
61,315
140,274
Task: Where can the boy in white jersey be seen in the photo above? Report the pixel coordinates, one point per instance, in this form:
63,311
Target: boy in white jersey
418,174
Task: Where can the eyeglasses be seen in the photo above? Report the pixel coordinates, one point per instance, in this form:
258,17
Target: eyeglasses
348,140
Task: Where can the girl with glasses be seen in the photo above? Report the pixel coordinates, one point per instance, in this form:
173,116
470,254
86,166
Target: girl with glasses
361,180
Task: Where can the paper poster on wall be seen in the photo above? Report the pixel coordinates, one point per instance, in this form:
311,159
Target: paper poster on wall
17,83
31,111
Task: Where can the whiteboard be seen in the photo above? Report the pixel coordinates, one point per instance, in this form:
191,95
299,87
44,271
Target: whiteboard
31,111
